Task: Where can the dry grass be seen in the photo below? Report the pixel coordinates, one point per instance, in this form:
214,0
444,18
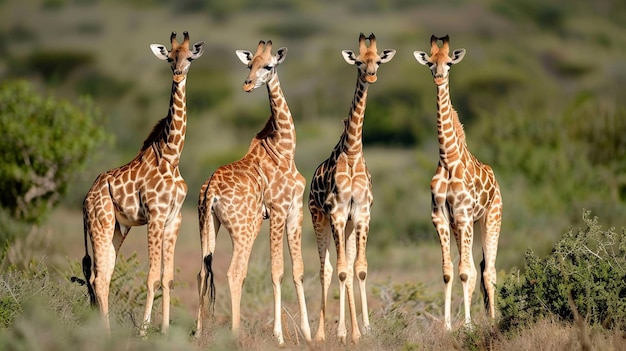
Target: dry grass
404,322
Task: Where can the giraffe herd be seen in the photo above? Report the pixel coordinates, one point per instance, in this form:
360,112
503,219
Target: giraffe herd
265,184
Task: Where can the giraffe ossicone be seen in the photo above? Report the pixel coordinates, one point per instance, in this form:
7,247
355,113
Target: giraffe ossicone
264,183
341,198
147,190
464,191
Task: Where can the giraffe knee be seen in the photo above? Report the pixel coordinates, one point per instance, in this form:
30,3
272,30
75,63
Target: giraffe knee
446,278
362,275
343,276
463,277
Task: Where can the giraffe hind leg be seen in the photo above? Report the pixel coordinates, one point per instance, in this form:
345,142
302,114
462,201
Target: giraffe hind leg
490,228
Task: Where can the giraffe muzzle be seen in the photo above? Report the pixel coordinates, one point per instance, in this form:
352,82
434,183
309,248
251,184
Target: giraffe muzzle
371,78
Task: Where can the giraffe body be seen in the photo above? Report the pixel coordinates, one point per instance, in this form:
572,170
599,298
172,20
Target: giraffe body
265,183
341,198
147,190
464,191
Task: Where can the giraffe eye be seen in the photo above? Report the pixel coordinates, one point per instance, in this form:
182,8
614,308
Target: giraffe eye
430,64
189,59
169,59
268,67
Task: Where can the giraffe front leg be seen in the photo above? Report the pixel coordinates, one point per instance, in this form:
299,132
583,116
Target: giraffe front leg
155,243
322,236
350,258
361,271
467,271
277,227
338,228
442,225
169,245
294,241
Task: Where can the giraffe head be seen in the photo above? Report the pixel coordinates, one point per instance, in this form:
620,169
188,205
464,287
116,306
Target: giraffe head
180,56
262,64
439,62
368,60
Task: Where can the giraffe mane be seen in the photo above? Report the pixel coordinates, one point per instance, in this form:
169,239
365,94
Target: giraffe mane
458,126
155,134
266,131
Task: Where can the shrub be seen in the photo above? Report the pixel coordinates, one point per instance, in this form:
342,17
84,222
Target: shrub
585,273
46,142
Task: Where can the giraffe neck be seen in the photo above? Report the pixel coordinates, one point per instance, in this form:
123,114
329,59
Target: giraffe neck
352,138
175,124
449,128
279,133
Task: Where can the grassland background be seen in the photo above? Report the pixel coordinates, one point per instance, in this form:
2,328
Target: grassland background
540,92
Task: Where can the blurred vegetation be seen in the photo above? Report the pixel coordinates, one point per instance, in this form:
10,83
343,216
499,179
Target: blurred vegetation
46,142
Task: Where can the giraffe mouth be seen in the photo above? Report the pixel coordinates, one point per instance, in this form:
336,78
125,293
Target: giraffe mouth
371,79
248,87
439,81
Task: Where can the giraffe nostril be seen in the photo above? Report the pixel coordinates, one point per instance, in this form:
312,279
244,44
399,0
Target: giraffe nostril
248,81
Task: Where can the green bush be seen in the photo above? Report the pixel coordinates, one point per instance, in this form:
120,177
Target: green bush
584,273
46,142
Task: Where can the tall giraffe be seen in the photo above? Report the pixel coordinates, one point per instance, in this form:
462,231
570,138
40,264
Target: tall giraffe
464,191
341,198
265,183
147,190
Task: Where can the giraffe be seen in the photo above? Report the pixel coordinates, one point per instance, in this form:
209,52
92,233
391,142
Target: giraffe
464,191
341,198
264,183
147,190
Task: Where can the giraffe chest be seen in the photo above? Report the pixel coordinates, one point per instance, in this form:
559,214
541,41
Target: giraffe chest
342,186
466,191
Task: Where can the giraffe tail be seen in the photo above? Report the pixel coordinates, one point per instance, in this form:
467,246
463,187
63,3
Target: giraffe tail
209,225
208,260
87,273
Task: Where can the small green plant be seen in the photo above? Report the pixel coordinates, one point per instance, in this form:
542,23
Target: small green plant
584,273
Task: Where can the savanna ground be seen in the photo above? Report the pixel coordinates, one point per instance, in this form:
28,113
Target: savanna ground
537,105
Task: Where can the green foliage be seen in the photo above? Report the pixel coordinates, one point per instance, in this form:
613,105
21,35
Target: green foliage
390,119
295,29
53,66
586,266
97,85
46,141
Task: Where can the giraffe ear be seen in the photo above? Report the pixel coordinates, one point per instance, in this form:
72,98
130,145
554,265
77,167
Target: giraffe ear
159,51
348,55
244,55
280,55
198,50
421,57
387,55
457,56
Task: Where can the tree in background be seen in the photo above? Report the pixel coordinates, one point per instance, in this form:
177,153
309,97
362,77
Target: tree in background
45,142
